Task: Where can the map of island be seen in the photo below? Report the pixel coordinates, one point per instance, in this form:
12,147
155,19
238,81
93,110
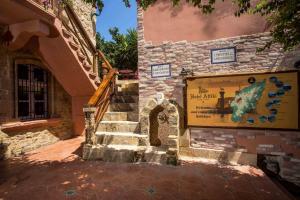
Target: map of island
246,100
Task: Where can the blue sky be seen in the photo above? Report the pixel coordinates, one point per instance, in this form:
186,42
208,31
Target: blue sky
115,14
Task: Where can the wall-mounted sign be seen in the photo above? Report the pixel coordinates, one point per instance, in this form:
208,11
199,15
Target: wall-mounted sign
267,100
159,97
223,55
161,70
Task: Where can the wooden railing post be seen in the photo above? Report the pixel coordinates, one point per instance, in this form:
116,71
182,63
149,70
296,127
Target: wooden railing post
99,102
104,70
90,123
95,64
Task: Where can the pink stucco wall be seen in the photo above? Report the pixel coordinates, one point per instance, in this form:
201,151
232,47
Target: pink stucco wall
162,22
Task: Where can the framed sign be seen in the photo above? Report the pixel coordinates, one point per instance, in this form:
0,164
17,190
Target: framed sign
267,101
223,55
161,70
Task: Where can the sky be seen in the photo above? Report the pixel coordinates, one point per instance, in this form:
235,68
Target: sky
115,14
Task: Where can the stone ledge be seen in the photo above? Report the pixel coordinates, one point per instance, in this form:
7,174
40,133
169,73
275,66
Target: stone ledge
220,156
21,126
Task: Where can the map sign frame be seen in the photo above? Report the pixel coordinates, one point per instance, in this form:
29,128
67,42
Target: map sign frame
267,100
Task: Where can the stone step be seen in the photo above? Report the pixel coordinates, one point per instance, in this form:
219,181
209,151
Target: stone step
92,75
73,45
74,39
124,82
119,126
123,107
125,99
112,153
66,33
80,55
158,157
97,81
120,116
134,87
120,138
127,93
87,66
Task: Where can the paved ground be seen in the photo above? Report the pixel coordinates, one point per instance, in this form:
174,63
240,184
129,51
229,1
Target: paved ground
56,172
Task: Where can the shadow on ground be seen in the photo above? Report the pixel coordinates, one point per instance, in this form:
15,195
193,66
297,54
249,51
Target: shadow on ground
57,172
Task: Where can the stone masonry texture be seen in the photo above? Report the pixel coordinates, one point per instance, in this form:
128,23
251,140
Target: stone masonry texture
14,143
196,56
85,13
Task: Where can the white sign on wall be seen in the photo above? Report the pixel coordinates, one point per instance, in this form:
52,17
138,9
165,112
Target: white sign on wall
161,70
223,55
160,97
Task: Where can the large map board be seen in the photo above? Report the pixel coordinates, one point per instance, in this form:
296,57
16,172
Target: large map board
268,100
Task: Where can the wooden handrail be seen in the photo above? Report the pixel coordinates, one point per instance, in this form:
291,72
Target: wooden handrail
94,100
106,62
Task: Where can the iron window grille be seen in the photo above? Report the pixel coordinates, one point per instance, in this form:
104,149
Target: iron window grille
32,92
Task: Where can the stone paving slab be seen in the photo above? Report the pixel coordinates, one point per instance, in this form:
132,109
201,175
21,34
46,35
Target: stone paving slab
57,172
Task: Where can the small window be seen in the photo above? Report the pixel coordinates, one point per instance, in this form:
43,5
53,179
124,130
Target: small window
32,94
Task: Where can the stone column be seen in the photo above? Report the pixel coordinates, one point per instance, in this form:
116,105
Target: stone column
90,124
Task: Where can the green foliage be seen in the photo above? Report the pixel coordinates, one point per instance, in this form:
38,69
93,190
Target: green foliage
121,52
283,15
98,4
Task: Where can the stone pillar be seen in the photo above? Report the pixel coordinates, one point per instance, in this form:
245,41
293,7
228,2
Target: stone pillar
90,124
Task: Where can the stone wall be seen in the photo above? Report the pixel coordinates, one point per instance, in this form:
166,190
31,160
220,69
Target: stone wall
85,13
250,141
196,56
17,140
6,84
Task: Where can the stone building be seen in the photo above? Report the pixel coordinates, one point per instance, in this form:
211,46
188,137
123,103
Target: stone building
182,38
48,72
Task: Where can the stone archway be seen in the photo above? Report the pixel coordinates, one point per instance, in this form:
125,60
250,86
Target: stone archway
163,110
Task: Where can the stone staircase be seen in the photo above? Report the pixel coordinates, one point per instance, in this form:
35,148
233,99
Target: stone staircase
118,137
79,52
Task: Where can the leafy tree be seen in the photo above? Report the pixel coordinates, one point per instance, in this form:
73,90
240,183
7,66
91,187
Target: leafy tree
121,52
283,15
99,4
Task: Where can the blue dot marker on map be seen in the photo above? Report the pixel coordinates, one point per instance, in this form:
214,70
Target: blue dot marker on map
273,111
279,84
269,104
271,118
273,79
280,92
263,119
276,101
272,94
286,87
250,120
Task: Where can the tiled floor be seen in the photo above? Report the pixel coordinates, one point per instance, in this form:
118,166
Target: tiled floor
56,172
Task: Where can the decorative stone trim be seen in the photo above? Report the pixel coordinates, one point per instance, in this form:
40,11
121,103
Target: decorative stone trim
22,126
173,117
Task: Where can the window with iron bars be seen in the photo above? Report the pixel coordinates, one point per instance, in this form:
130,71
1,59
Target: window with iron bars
32,92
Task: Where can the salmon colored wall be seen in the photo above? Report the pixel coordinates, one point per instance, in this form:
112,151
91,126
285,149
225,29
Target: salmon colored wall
77,113
162,22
